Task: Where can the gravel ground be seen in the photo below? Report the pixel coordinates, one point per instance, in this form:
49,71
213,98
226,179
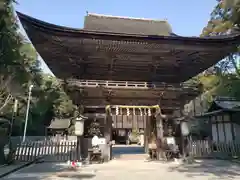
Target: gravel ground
132,169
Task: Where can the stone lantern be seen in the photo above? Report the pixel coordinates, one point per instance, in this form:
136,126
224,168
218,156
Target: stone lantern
79,125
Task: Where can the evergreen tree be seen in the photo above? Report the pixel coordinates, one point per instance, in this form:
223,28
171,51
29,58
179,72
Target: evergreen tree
94,129
19,67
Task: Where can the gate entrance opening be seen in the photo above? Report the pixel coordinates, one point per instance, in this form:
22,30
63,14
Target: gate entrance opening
137,125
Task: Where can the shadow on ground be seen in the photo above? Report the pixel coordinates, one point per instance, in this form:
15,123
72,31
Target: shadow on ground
214,168
75,175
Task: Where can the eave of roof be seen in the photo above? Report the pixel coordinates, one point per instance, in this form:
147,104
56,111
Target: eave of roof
220,111
85,54
44,26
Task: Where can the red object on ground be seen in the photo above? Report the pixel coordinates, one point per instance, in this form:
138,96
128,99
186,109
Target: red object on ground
74,163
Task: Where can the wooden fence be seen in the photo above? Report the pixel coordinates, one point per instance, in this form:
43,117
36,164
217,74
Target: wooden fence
49,150
209,149
64,150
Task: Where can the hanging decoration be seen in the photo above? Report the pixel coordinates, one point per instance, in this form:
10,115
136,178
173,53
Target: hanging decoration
149,112
141,113
143,110
117,110
128,112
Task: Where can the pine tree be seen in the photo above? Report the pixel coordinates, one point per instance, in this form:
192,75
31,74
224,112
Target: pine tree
94,129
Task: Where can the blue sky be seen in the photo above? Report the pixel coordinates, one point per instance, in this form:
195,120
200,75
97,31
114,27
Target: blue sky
187,17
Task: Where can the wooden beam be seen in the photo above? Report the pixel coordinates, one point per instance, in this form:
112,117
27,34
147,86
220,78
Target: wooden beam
83,69
94,115
132,98
160,141
108,137
111,63
104,106
117,101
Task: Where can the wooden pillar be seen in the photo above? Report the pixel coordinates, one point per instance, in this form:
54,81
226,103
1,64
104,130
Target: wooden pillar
83,147
107,153
184,139
210,127
159,125
232,126
146,132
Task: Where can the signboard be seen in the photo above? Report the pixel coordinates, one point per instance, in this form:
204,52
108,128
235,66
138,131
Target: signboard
98,141
95,140
170,140
102,141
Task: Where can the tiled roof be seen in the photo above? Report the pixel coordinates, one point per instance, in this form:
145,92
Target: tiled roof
59,124
106,23
228,104
224,103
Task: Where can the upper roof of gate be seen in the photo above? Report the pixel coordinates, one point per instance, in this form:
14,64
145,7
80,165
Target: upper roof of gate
128,25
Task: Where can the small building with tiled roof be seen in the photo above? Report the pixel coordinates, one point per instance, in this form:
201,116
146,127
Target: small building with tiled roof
59,126
221,120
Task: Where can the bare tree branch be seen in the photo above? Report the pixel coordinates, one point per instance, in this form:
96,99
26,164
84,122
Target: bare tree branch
7,100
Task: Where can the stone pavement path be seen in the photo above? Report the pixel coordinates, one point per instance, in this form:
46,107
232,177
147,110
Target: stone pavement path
140,170
132,169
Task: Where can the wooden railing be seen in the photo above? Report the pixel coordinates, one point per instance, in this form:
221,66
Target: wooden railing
129,84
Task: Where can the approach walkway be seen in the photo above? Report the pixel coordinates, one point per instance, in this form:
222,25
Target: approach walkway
132,169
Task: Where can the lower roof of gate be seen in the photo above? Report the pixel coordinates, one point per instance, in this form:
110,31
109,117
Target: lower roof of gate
101,97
